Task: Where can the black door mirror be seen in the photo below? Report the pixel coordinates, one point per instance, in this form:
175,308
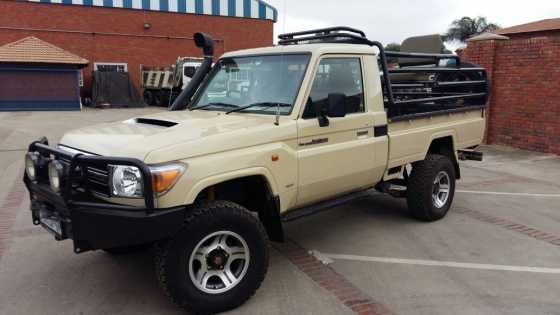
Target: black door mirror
337,105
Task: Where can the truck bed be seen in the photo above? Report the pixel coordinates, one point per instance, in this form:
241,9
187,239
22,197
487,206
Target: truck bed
410,137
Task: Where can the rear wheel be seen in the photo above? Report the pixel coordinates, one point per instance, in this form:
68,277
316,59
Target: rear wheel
158,99
216,262
149,97
431,188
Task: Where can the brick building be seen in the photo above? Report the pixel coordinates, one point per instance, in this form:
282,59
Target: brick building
124,34
523,64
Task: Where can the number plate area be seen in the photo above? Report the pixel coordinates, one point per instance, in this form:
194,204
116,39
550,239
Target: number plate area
51,222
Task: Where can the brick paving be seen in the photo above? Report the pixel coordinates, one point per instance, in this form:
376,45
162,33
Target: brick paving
8,212
512,226
330,280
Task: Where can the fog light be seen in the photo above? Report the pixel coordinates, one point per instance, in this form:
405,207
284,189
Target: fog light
55,175
31,163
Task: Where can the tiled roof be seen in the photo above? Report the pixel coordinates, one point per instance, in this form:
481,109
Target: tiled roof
538,26
487,36
33,50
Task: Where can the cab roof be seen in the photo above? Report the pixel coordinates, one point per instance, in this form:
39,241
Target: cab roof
315,48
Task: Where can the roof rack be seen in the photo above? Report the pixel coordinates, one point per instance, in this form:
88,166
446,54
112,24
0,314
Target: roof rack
338,32
348,35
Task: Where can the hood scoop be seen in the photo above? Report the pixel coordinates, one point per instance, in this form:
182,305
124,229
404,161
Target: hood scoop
154,122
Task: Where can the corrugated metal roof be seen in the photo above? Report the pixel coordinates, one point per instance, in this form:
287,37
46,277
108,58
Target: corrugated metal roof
538,26
256,9
33,50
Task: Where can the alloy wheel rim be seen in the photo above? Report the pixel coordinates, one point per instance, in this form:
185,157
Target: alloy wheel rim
441,189
219,262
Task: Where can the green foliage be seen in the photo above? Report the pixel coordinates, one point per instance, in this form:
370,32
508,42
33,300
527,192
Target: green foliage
466,27
393,47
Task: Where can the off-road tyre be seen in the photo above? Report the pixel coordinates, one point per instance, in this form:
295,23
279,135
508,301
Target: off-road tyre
172,257
421,187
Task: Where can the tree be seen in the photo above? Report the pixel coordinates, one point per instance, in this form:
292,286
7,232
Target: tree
393,47
466,27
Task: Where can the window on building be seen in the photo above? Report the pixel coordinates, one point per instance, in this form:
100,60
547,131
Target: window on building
110,67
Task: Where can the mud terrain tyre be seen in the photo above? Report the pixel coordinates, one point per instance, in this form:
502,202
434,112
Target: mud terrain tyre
216,262
431,188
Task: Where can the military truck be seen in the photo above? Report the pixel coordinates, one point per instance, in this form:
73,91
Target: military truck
162,85
261,137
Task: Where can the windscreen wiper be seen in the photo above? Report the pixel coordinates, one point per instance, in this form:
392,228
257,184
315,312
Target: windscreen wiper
263,104
214,104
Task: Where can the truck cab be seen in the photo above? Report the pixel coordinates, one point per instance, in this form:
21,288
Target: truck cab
257,138
161,85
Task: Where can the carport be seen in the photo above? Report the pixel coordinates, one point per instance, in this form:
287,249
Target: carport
38,76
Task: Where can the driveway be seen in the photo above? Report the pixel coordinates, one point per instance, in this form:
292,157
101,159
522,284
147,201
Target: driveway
497,252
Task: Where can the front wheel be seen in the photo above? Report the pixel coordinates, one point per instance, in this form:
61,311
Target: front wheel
217,261
431,188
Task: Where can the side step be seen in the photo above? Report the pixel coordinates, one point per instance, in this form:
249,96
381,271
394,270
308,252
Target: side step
471,155
324,205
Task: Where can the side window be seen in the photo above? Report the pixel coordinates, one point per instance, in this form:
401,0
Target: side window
337,75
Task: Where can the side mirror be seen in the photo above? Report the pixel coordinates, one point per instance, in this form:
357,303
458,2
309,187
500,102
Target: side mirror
337,105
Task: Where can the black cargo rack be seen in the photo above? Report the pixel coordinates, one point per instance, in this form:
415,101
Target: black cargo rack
412,91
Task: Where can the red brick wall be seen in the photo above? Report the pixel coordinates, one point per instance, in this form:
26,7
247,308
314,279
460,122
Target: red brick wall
129,42
524,109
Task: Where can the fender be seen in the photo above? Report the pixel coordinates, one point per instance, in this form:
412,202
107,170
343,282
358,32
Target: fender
220,178
442,134
454,158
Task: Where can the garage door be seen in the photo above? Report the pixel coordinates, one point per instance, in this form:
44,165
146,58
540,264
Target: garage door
39,89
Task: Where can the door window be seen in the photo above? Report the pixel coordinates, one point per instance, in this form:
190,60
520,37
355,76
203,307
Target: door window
341,76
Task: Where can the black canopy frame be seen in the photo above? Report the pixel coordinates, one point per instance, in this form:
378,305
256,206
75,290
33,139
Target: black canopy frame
445,89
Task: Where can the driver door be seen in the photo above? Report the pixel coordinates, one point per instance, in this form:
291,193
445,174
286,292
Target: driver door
338,158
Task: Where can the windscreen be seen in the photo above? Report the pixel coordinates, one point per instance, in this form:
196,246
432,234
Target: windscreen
269,83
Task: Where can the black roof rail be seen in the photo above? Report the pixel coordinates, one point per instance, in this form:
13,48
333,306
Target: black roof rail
338,34
323,31
399,94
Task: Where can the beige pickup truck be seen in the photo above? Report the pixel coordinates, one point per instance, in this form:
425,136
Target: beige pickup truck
260,137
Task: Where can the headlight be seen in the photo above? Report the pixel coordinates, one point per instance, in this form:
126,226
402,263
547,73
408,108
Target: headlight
165,176
31,161
55,175
126,181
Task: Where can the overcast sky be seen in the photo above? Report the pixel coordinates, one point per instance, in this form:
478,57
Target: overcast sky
394,20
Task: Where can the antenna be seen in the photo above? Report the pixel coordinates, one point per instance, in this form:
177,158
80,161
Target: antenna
285,15
277,119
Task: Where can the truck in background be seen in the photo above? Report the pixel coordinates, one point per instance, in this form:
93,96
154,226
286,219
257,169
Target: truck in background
161,85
